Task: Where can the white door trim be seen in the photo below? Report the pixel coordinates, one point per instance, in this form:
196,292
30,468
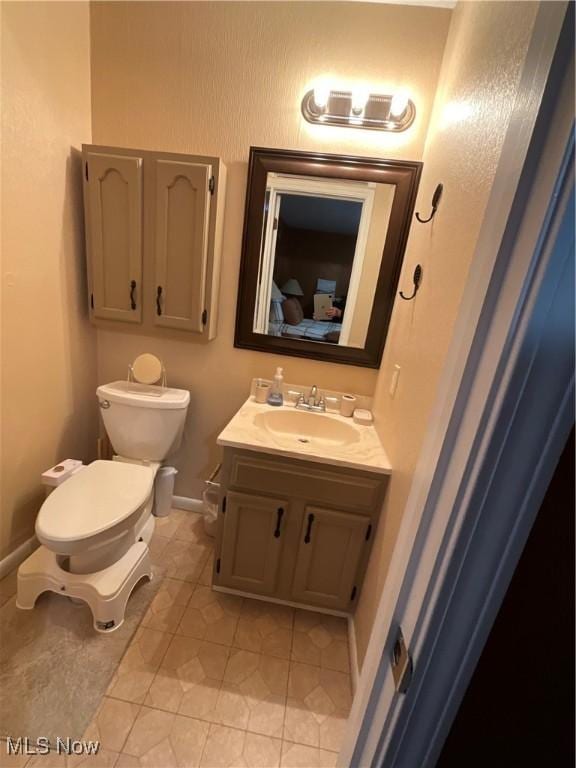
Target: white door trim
427,536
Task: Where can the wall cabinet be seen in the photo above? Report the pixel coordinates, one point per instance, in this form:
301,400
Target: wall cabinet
153,240
295,531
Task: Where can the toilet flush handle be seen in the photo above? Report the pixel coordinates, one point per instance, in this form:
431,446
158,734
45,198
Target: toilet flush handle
104,403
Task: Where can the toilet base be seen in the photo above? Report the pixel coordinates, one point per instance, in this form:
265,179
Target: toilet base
106,591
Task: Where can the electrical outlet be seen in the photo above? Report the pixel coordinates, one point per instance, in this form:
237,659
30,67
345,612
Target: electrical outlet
394,380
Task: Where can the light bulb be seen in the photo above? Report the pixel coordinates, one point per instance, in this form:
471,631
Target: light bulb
360,98
321,96
399,104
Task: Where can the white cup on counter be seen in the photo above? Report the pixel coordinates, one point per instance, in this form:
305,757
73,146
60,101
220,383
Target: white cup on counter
347,405
261,390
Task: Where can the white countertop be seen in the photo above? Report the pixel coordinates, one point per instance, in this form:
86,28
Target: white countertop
247,430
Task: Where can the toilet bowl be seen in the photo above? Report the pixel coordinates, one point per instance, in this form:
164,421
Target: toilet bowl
94,517
94,529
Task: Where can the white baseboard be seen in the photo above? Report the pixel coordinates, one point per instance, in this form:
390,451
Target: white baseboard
13,560
353,650
190,505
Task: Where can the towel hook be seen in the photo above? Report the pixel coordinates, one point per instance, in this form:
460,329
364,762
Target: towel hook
417,279
436,197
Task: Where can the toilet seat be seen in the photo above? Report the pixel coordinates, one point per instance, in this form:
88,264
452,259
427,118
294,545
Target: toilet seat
99,497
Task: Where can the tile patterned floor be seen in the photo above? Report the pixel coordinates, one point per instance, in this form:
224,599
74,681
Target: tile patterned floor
216,681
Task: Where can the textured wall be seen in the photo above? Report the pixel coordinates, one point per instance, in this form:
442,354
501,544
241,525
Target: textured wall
216,78
48,362
485,51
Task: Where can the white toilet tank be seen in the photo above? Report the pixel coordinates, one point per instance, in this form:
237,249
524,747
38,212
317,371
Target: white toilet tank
143,421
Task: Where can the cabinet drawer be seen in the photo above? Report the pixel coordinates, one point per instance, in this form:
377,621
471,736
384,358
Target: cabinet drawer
306,480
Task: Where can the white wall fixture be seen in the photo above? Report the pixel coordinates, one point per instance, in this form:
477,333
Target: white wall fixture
358,108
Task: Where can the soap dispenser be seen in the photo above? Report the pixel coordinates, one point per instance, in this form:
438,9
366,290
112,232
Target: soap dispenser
275,397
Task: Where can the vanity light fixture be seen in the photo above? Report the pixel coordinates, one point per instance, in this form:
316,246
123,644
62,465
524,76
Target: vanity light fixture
320,96
399,104
358,109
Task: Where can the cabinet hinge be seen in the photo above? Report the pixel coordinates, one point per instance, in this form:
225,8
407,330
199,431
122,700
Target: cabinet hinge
224,505
204,317
92,301
275,226
218,565
368,532
353,595
212,185
86,170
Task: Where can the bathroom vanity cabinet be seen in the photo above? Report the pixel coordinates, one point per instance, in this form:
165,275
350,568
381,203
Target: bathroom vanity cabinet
153,240
295,531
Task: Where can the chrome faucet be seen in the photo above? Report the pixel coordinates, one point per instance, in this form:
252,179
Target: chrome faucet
313,402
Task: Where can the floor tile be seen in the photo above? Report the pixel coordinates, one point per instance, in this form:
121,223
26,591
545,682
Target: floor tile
139,665
167,526
189,678
112,723
205,577
157,546
232,748
50,760
317,706
185,560
265,628
321,639
211,616
253,694
261,751
300,756
164,740
9,760
191,528
168,605
127,761
104,758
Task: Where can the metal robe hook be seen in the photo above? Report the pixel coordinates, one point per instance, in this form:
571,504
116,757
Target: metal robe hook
417,278
436,197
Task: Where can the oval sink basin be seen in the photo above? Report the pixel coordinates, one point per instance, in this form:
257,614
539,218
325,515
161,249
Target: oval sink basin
307,427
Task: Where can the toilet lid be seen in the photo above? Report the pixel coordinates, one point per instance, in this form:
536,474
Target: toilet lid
94,499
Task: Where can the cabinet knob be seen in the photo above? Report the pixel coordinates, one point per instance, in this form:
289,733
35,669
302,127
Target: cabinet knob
158,300
132,289
309,528
278,522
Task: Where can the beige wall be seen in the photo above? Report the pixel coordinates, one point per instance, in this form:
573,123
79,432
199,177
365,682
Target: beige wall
48,348
485,50
214,79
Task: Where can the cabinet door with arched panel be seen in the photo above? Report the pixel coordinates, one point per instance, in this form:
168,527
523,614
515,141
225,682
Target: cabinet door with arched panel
182,196
113,204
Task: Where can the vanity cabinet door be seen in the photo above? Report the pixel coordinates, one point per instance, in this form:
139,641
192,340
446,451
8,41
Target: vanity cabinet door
182,208
331,548
113,204
252,540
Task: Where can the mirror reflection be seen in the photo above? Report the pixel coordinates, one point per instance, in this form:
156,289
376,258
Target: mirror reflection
320,257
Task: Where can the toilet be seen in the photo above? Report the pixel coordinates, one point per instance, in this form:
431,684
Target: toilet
94,528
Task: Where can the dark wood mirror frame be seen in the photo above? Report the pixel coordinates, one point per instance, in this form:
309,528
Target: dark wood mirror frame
404,175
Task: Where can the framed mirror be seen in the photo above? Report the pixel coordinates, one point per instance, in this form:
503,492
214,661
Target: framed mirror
324,238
